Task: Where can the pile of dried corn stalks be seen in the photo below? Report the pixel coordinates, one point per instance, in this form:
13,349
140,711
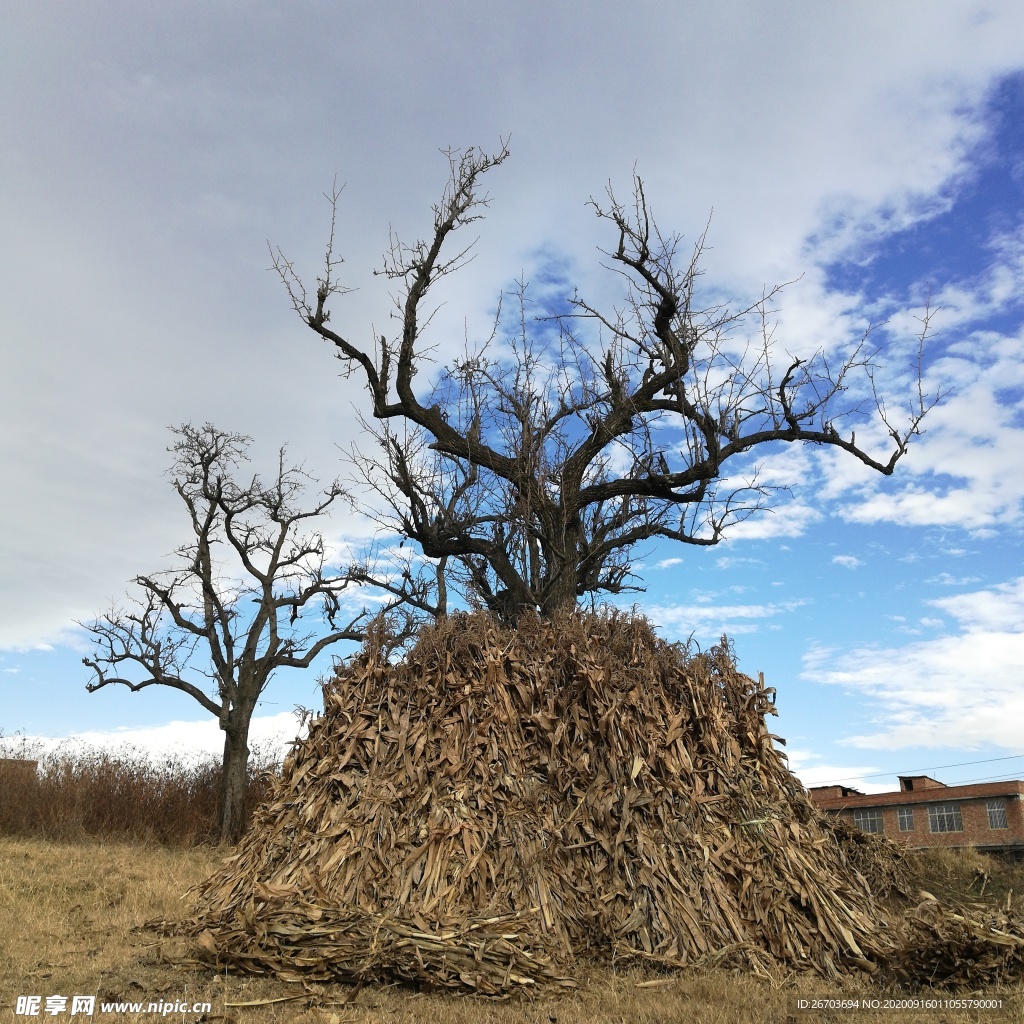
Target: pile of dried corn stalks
505,801
959,947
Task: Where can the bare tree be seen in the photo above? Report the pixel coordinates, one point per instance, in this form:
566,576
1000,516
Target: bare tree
538,461
229,613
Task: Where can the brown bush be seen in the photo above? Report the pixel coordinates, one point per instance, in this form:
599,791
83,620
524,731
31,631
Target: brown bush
77,793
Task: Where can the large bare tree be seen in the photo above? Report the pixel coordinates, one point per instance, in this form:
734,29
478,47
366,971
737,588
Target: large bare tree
533,465
219,624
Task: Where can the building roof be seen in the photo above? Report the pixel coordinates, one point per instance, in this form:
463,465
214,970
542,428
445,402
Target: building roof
913,783
828,799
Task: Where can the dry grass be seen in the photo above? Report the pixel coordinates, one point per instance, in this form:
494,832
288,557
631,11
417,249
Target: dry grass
73,913
964,876
95,793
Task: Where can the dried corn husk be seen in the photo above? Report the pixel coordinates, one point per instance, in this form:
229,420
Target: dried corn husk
960,947
505,801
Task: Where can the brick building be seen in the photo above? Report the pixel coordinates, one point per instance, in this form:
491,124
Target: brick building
928,813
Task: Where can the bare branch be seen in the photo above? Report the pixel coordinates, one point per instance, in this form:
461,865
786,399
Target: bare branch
537,462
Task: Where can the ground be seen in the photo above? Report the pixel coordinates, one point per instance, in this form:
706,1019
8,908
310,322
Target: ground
74,917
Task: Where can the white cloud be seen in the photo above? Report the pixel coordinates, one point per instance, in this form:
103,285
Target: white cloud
807,767
667,563
961,303
269,736
789,519
710,621
731,562
945,579
959,690
967,470
1001,608
847,561
136,180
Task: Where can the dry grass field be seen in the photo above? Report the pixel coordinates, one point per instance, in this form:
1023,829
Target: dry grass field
74,918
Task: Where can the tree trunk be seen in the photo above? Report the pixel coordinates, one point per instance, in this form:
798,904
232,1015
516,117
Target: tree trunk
234,778
561,597
561,593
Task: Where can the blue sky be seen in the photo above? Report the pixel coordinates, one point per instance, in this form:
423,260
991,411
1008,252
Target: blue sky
151,156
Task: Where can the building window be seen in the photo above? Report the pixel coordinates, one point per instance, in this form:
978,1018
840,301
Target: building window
868,820
906,818
996,813
945,818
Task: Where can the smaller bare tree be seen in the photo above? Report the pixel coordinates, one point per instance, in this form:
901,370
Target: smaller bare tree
235,628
